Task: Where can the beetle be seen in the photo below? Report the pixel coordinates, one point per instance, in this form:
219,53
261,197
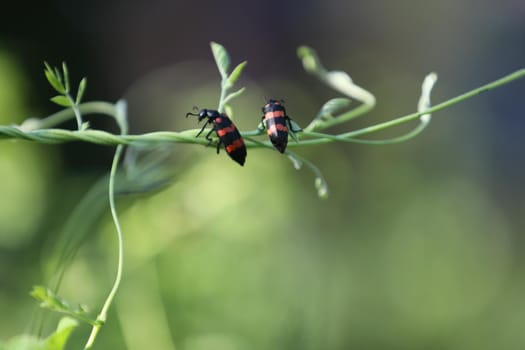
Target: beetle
225,130
277,123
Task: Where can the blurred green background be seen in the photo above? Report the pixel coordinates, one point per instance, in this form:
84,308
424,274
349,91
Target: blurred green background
419,246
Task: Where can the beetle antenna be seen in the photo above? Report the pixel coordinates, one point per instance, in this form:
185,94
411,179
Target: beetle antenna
195,108
192,114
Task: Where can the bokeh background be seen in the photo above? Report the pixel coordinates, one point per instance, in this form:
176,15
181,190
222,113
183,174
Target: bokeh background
419,246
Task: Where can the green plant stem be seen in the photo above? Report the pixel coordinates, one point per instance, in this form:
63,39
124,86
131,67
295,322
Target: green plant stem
102,316
222,98
411,134
230,97
356,112
338,81
120,116
104,138
320,182
76,111
407,118
96,107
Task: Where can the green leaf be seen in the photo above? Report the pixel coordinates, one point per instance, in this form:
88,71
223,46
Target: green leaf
85,126
22,342
61,101
233,95
221,58
51,301
53,80
58,75
81,89
66,76
236,73
57,340
47,67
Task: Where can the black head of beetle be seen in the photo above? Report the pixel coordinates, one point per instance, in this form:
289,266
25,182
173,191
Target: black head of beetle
205,113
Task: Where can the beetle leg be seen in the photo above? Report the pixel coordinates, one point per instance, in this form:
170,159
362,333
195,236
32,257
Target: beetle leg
210,140
219,143
203,127
290,126
262,125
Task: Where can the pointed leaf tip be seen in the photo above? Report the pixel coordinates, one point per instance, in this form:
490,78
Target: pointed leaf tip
57,340
236,73
81,89
221,58
53,79
61,101
65,73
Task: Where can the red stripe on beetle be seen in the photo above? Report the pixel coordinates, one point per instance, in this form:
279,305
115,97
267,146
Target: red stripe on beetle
274,114
226,130
277,127
237,144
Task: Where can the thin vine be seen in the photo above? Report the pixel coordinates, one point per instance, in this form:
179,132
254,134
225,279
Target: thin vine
30,130
121,118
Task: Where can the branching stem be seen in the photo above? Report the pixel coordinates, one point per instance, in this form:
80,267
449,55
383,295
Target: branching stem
32,130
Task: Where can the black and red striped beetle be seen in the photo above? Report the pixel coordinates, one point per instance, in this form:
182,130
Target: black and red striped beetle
276,122
226,131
